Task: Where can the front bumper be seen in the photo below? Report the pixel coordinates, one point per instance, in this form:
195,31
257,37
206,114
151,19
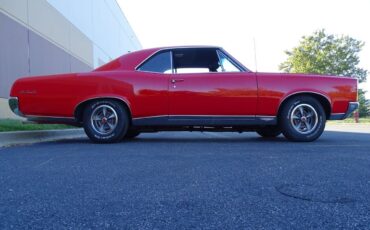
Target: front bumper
352,106
14,106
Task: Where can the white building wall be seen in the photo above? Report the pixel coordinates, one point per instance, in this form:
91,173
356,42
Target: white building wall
103,23
59,36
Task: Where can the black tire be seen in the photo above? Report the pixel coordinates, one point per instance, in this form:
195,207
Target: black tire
131,134
105,128
302,118
269,131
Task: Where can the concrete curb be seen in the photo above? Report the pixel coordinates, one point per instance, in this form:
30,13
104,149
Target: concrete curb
30,137
349,127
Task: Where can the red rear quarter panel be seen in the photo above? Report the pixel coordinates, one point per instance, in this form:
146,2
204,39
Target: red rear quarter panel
145,94
46,96
59,95
275,88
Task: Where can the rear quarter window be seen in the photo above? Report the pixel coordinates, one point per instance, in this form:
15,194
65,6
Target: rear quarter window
158,63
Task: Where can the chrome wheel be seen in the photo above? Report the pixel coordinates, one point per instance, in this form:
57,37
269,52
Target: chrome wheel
304,118
104,119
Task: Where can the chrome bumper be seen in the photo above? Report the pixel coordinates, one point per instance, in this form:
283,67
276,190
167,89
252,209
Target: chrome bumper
14,106
352,106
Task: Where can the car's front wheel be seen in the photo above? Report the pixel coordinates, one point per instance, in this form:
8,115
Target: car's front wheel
302,118
105,121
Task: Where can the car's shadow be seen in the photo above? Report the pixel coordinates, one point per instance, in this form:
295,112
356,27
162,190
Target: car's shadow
329,137
177,140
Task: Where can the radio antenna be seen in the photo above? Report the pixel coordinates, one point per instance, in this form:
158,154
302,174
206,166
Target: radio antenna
255,53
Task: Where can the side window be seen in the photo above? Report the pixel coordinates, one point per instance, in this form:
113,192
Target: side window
196,60
159,63
226,64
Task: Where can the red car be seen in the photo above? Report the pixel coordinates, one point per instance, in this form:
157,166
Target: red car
185,88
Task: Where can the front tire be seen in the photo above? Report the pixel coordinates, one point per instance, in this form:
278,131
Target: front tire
105,121
302,119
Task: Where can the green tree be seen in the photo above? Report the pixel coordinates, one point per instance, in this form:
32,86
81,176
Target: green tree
363,110
322,53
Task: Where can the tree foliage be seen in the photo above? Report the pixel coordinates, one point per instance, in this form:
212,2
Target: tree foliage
323,53
363,110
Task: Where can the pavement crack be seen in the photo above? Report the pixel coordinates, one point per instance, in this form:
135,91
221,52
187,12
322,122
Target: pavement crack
296,192
43,163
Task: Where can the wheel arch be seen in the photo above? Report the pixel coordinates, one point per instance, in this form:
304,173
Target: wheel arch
323,100
79,109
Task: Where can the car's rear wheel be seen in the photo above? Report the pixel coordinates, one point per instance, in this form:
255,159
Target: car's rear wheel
269,131
132,133
105,121
302,118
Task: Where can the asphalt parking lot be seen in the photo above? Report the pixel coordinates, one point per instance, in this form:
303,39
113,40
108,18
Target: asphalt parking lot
181,180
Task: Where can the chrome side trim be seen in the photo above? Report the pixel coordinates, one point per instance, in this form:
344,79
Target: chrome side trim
236,62
236,116
306,91
14,106
138,118
104,97
144,71
260,116
298,92
266,118
172,69
204,120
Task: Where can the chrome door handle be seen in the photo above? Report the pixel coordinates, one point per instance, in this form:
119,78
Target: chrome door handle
173,81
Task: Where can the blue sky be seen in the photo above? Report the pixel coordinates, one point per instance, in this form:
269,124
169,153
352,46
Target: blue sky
275,26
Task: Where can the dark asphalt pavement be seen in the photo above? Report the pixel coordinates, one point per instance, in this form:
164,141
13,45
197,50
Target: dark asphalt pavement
186,180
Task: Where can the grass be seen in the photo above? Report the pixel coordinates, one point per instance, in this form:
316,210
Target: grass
365,120
17,125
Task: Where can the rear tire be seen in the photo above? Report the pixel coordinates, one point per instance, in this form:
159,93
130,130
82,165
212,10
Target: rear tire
269,131
302,118
105,121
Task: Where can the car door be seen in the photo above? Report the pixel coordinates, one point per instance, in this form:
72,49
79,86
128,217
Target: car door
151,82
201,87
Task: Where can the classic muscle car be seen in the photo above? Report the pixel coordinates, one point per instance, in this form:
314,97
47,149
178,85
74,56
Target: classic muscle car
185,88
